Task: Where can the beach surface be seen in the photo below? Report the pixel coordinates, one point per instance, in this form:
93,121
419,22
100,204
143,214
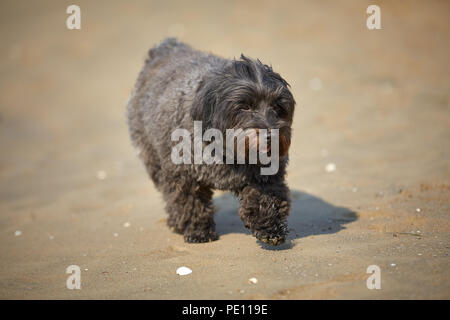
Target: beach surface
369,163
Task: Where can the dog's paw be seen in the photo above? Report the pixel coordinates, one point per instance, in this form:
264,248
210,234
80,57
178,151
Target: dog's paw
198,237
275,236
274,241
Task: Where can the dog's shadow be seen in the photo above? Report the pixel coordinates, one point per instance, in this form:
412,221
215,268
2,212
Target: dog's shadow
309,215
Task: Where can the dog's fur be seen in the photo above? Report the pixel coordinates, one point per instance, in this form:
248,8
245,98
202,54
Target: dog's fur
179,85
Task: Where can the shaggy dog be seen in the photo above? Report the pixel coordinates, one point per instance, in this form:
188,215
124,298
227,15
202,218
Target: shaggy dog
179,85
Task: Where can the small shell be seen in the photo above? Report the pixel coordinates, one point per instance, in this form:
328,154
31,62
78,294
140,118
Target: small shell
331,167
253,280
182,271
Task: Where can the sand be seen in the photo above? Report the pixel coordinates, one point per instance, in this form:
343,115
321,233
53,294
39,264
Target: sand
372,105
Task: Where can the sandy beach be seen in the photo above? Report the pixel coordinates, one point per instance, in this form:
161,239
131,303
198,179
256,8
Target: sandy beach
369,168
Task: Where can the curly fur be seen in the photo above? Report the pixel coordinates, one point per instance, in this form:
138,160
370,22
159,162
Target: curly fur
178,85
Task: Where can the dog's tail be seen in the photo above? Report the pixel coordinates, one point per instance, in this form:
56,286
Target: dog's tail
164,48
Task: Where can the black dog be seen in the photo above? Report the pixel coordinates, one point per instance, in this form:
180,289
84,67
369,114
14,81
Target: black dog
179,85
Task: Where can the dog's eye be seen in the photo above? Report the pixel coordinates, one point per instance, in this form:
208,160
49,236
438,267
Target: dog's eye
281,112
246,107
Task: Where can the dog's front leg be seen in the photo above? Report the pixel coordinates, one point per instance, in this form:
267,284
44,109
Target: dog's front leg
264,210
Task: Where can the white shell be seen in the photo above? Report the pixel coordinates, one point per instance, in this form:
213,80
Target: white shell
330,167
253,280
182,271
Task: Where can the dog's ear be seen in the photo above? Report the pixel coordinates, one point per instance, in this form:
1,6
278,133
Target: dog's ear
204,104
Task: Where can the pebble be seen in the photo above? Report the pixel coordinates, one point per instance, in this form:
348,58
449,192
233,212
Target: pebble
101,175
17,233
126,224
116,234
182,271
253,280
331,167
418,210
393,265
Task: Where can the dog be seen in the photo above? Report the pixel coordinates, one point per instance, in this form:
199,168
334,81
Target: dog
180,85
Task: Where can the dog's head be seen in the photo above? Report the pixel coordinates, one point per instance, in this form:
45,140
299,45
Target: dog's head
246,94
